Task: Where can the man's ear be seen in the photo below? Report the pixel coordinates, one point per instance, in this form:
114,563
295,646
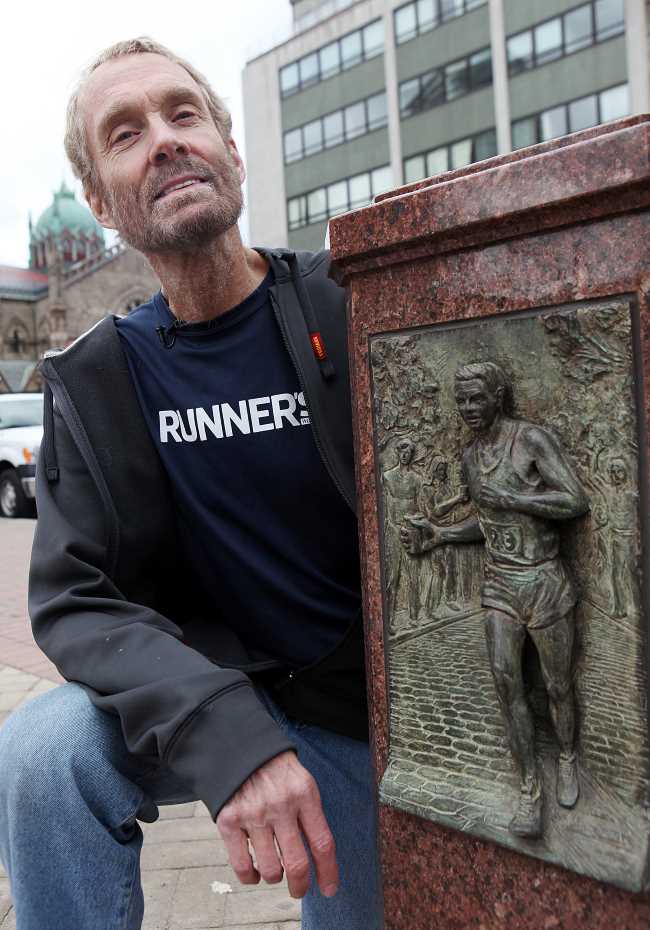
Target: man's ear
99,207
500,396
236,157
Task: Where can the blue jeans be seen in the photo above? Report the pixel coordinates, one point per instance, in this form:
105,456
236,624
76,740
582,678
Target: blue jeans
71,795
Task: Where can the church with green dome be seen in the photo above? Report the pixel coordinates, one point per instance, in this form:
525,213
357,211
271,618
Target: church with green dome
72,280
70,225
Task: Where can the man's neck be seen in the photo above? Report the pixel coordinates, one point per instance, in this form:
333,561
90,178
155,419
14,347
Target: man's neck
491,435
202,284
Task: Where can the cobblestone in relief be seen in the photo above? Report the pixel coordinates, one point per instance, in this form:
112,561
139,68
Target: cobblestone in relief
429,725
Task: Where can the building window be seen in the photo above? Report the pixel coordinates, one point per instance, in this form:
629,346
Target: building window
452,80
578,32
412,19
572,116
578,28
610,19
333,132
614,103
341,126
339,197
331,59
446,157
377,111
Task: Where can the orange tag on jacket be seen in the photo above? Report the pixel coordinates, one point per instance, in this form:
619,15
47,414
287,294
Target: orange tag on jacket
317,346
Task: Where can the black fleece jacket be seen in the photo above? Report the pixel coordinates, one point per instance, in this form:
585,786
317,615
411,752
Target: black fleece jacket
108,597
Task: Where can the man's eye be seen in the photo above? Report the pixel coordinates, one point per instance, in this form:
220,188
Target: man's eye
123,136
184,114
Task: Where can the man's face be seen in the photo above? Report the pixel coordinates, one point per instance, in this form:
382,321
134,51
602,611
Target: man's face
441,471
405,452
477,405
618,473
167,180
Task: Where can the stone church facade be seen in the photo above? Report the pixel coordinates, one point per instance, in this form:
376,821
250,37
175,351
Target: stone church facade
73,280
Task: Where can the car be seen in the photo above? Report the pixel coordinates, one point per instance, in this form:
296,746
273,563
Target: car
21,432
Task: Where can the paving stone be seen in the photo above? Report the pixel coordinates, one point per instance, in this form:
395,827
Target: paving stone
158,888
183,855
42,686
225,875
264,904
218,926
11,699
9,923
254,926
12,679
5,898
195,904
176,831
177,811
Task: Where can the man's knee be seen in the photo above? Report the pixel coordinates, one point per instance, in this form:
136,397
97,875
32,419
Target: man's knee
507,685
558,689
504,648
47,740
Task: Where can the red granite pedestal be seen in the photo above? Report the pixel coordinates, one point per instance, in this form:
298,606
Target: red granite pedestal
565,221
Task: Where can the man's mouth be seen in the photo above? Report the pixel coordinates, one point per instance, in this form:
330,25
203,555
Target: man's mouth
177,184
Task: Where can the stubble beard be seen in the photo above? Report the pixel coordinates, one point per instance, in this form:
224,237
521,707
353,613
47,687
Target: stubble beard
137,212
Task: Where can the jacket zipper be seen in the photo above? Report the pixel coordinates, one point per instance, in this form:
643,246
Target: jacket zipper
293,673
319,444
69,415
291,676
251,668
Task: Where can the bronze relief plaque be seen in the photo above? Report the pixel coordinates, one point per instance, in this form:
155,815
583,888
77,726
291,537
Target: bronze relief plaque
515,625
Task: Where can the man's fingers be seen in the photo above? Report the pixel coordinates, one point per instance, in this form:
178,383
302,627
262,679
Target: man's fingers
280,799
236,843
266,854
294,858
321,844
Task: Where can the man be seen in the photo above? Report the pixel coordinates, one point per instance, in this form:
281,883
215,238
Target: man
403,486
195,568
521,484
622,507
439,504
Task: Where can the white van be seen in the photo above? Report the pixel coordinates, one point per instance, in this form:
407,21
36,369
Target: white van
21,432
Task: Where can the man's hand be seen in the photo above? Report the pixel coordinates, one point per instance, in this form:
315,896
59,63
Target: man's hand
500,499
421,536
275,807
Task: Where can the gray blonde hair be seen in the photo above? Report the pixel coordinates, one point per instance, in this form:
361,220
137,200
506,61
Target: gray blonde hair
76,142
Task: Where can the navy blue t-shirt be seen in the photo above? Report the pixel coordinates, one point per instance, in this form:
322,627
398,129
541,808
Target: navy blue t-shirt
272,541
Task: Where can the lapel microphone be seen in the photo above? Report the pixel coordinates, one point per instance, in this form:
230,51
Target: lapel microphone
167,335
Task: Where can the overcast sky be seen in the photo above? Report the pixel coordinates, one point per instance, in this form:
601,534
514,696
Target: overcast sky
45,45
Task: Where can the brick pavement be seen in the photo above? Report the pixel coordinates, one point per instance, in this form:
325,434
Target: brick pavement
17,648
187,882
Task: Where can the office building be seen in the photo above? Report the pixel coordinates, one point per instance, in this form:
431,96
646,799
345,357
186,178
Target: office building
368,95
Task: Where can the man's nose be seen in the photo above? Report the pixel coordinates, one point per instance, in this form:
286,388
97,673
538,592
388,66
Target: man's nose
167,144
